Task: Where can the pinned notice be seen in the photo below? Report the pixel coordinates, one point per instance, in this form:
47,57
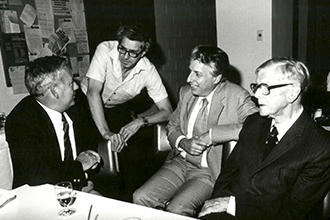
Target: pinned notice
9,22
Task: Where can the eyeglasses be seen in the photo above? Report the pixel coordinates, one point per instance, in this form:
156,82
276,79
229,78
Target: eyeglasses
265,89
132,53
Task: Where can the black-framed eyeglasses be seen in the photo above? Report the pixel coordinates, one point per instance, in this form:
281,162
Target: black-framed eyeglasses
132,53
264,88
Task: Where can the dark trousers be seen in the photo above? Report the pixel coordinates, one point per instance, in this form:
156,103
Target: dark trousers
136,159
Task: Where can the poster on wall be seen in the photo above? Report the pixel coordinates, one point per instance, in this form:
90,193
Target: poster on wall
38,28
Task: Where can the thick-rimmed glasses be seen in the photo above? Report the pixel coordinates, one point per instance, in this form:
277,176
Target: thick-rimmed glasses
264,88
132,53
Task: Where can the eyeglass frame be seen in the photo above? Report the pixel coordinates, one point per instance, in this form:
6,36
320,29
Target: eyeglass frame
254,87
124,50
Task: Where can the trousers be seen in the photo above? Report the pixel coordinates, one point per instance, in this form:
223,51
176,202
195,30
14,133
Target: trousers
178,187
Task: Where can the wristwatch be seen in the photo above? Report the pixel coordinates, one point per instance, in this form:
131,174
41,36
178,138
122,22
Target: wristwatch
145,121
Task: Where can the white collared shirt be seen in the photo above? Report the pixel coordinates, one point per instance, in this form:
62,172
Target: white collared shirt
56,118
283,127
191,124
105,67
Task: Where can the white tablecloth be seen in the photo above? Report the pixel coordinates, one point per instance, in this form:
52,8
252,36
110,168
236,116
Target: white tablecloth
40,203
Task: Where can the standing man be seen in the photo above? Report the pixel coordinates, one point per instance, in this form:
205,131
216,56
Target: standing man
280,167
48,144
118,72
210,112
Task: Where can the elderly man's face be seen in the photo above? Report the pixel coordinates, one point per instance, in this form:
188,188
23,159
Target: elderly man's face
125,59
276,103
67,89
201,79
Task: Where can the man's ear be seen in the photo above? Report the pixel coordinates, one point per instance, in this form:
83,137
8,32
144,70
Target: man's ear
54,90
217,79
143,53
294,94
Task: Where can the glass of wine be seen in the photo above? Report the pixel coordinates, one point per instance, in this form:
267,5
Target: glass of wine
65,196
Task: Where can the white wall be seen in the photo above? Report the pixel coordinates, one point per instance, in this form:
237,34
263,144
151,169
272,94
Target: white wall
8,99
237,25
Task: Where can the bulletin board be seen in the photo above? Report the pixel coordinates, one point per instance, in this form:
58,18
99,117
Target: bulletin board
38,28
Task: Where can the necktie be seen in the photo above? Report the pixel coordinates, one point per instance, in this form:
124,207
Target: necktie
271,142
200,127
67,144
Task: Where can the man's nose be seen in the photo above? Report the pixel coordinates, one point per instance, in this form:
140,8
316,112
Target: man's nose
189,78
75,86
126,56
258,93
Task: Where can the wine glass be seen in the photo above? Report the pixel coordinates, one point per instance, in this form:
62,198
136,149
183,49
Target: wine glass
65,196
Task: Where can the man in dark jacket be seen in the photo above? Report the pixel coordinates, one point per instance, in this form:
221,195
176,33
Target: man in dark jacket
280,167
48,144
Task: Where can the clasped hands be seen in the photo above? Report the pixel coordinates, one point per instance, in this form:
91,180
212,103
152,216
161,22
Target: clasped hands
89,159
197,144
119,140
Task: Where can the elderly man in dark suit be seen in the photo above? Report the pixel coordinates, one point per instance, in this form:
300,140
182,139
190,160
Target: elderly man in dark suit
48,144
210,112
280,167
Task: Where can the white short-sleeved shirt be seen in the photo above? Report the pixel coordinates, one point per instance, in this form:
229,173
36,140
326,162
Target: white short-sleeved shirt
105,67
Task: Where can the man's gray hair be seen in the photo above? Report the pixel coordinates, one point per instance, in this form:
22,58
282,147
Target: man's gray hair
290,68
43,72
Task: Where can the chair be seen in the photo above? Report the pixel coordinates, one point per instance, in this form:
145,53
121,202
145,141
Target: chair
227,149
109,163
6,171
162,145
326,206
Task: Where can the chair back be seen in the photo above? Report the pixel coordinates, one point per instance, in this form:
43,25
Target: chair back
227,149
6,171
162,145
326,206
109,163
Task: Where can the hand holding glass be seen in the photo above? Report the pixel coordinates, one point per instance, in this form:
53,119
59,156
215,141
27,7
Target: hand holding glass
65,196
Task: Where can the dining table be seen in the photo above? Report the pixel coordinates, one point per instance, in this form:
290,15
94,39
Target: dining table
40,203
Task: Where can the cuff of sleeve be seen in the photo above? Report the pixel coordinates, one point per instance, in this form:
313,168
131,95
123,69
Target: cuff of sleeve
231,209
178,141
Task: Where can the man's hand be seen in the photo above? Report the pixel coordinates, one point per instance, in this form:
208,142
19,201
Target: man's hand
117,141
194,146
131,128
206,138
89,159
214,206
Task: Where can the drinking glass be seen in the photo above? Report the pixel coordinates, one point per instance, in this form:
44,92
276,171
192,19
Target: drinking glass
65,196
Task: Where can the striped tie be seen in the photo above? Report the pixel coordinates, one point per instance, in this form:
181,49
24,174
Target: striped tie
271,142
67,144
200,127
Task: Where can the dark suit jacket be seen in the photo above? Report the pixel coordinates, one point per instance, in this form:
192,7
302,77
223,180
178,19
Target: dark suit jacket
230,105
289,183
34,147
